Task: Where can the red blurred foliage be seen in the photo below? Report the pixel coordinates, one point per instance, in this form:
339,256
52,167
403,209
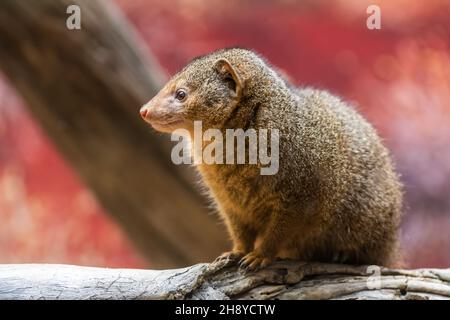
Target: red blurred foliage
399,77
47,214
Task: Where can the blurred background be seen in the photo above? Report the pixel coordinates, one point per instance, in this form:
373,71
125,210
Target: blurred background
51,210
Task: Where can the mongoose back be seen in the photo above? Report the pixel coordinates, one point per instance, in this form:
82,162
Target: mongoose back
335,198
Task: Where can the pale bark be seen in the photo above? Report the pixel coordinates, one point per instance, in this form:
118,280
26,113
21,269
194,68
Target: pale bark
283,280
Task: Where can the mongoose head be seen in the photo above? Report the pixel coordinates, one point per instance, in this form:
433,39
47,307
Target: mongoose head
207,89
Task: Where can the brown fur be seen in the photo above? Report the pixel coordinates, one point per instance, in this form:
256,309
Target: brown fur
336,197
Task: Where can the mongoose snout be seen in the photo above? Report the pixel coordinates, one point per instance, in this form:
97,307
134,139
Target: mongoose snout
143,111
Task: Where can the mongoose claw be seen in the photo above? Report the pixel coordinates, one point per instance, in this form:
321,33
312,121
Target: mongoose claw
253,261
229,257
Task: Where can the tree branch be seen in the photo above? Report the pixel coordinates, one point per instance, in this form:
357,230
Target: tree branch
85,88
283,280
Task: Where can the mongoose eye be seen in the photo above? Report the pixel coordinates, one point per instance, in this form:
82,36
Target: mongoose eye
180,95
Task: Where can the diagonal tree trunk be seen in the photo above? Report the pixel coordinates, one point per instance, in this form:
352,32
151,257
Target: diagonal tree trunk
85,87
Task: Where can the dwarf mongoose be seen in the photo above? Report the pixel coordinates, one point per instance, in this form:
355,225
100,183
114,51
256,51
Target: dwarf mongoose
335,197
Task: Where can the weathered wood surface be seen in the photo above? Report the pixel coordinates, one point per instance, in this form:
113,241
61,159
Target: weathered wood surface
85,87
283,280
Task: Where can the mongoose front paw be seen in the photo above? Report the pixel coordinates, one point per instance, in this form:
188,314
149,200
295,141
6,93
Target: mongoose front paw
254,261
229,256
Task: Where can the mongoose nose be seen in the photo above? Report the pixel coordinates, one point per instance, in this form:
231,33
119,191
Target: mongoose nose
143,111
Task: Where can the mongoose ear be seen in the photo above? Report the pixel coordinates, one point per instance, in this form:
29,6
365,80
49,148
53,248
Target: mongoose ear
230,76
